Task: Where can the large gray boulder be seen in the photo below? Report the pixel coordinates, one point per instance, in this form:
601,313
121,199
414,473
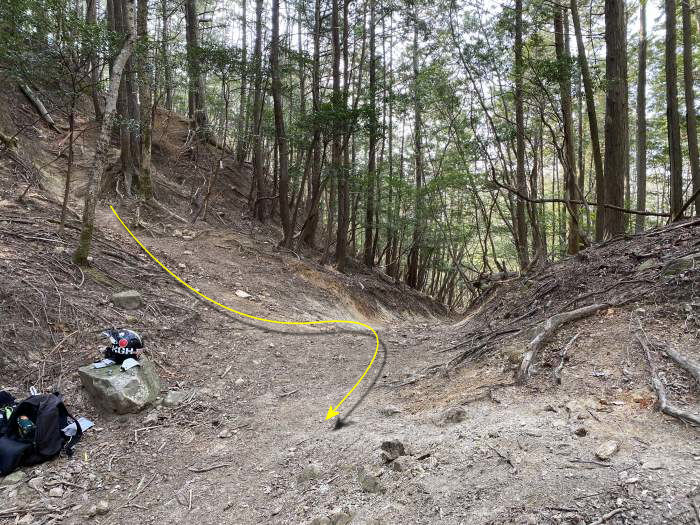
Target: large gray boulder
121,392
128,300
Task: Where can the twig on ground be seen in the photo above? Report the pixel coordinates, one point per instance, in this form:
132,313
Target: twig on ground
207,469
607,516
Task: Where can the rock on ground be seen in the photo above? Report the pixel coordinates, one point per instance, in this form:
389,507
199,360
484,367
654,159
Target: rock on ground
119,391
128,299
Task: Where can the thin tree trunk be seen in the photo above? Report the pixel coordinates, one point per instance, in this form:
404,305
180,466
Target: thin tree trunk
196,90
372,166
282,145
242,144
165,56
93,64
641,149
521,183
691,121
592,116
145,86
257,204
563,58
672,117
103,140
336,145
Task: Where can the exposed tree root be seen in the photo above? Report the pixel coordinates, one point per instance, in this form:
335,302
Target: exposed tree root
692,367
662,403
558,369
550,326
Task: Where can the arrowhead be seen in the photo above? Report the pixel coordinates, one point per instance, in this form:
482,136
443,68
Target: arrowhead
331,413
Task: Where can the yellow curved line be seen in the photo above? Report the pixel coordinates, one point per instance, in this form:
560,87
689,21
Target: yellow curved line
376,336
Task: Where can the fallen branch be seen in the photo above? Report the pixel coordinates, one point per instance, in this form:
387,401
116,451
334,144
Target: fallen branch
39,106
550,326
558,369
678,216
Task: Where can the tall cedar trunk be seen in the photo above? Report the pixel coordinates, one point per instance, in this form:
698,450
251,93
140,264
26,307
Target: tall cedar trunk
616,120
641,153
242,144
592,118
282,145
691,121
195,87
93,64
257,203
308,233
413,256
520,222
371,167
165,56
563,59
145,86
673,119
336,145
103,139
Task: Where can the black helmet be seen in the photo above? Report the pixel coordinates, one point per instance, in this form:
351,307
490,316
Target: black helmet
125,344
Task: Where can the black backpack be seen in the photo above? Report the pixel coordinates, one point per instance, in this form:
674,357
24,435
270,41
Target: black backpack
45,416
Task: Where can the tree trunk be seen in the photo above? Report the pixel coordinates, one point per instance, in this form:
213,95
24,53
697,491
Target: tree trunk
257,203
563,59
308,233
672,117
412,268
521,182
242,144
592,117
336,145
641,153
691,121
165,56
282,145
195,90
372,163
103,140
616,119
93,64
145,86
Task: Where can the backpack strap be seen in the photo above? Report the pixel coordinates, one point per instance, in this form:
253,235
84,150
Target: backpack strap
73,441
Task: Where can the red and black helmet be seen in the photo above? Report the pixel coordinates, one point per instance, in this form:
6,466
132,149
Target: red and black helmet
125,343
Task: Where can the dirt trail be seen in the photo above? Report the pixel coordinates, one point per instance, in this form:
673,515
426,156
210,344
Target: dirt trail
251,444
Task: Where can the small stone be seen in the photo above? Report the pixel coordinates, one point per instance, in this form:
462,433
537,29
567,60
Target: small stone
102,507
128,299
56,492
311,471
340,518
454,415
13,478
389,411
239,382
177,233
580,431
403,464
37,483
26,520
653,464
243,295
225,433
391,450
151,419
607,449
368,482
175,397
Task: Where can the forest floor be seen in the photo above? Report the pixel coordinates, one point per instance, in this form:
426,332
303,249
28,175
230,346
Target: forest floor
250,443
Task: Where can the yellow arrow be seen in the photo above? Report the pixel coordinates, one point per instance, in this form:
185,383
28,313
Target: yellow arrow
332,412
